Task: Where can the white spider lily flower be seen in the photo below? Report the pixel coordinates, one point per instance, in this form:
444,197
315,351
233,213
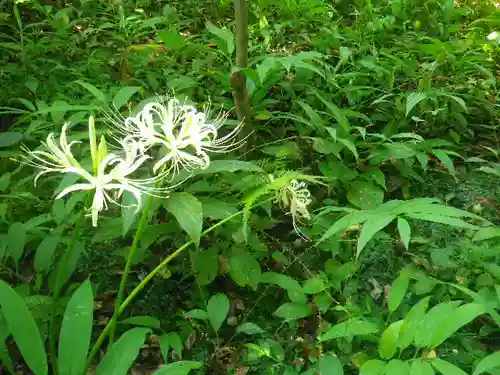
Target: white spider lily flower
296,197
185,135
110,171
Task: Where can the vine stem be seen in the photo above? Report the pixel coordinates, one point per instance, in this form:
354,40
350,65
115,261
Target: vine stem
57,291
123,283
152,274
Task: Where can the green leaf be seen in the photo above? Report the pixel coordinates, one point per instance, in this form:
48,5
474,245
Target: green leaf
206,265
217,209
404,231
172,39
197,314
397,367
348,328
419,367
76,329
398,291
365,195
129,211
245,269
178,368
453,221
345,222
123,353
249,329
93,90
10,138
460,317
372,367
431,322
70,266
224,34
45,252
446,160
413,99
16,236
170,340
372,227
293,311
189,213
124,95
217,166
488,363
217,310
387,345
330,364
21,324
144,321
447,368
412,322
314,285
337,113
486,234
293,288
346,142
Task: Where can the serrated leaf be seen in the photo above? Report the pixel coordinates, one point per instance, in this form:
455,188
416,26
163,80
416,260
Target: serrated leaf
372,227
351,327
23,328
123,353
398,291
217,310
404,231
178,368
488,363
76,330
293,311
249,329
447,368
189,213
144,321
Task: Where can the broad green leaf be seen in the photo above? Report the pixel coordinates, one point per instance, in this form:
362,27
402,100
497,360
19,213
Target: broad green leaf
345,222
346,142
170,340
10,138
365,195
123,353
446,160
372,367
388,343
16,236
460,317
486,234
24,329
224,34
249,329
245,269
124,95
412,322
129,211
351,327
420,367
493,269
144,321
330,364
178,368
205,264
413,99
217,209
70,266
293,288
453,221
197,314
397,367
404,231
93,90
217,166
76,329
398,290
45,252
314,285
447,368
217,310
293,311
189,213
372,227
172,39
432,321
337,113
488,363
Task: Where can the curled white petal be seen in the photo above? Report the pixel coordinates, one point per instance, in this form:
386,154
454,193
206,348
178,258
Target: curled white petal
295,197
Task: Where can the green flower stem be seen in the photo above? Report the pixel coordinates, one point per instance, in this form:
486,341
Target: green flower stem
131,254
150,276
57,291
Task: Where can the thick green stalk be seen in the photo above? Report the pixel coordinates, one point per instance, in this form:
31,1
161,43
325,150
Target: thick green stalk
131,254
57,291
150,276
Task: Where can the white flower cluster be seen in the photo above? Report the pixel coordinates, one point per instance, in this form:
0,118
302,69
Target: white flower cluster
182,135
